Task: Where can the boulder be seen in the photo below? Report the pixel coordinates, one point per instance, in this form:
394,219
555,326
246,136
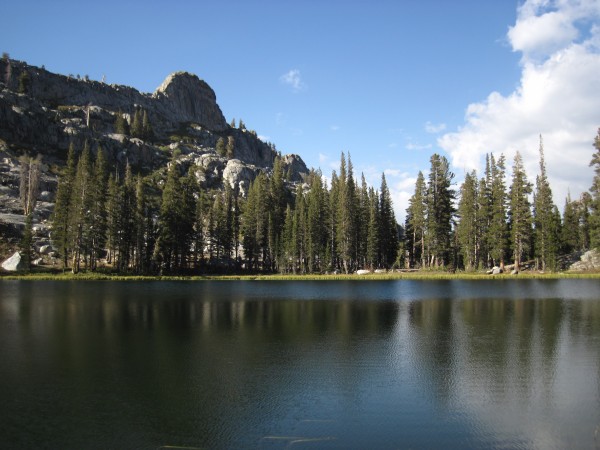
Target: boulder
590,260
240,175
362,272
380,271
46,249
496,271
14,263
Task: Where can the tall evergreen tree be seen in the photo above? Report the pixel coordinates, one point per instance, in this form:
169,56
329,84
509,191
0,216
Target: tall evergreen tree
61,216
440,211
373,230
220,147
547,239
417,219
594,218
96,215
468,213
79,205
497,236
520,212
388,234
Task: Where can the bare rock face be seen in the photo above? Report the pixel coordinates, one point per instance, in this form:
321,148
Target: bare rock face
590,260
239,175
190,99
295,166
14,263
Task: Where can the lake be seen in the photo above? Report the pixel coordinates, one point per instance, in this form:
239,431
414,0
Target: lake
300,365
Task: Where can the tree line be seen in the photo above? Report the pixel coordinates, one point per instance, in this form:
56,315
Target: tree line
168,224
153,225
488,223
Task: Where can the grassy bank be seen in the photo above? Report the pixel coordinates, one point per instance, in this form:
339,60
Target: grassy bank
422,275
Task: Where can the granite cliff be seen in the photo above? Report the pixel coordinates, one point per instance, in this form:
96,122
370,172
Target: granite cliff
43,113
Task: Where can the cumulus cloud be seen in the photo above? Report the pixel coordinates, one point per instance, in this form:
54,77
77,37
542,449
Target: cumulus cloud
558,97
293,79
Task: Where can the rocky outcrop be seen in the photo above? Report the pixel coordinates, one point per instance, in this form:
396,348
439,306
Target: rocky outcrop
55,111
239,175
590,260
182,97
14,263
190,99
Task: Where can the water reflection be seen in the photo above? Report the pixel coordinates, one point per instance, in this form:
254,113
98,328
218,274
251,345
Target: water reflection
342,365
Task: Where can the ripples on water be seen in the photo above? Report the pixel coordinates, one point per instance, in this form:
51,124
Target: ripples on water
241,365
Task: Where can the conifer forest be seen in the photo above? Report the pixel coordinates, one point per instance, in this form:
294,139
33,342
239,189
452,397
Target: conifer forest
110,218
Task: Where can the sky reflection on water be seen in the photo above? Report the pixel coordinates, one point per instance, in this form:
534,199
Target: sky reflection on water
400,364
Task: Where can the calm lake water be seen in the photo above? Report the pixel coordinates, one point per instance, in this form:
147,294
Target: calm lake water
300,365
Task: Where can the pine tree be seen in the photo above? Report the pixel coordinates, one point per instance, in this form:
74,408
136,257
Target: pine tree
126,222
570,236
96,216
230,149
520,213
373,231
147,130
121,126
388,234
346,213
137,129
112,217
27,242
24,82
594,218
546,230
416,219
466,230
220,147
79,205
497,236
439,211
316,224
143,230
61,215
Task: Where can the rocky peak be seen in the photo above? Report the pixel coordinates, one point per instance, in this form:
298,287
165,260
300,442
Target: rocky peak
191,100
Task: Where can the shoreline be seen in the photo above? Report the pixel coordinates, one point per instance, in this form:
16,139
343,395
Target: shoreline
424,276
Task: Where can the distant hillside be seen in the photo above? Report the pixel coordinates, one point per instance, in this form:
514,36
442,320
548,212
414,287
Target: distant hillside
44,113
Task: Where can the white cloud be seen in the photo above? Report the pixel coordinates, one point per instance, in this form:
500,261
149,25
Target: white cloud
264,138
434,128
558,97
293,78
412,146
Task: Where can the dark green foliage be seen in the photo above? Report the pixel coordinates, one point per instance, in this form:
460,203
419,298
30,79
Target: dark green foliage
388,228
547,228
27,242
594,218
230,149
468,215
440,210
520,220
61,217
497,229
220,148
24,83
121,125
416,221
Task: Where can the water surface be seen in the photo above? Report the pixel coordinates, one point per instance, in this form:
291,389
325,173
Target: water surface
344,364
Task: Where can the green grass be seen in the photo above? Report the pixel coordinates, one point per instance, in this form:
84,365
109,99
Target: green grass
424,275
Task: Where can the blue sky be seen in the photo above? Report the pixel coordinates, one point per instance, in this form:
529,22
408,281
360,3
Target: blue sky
390,82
